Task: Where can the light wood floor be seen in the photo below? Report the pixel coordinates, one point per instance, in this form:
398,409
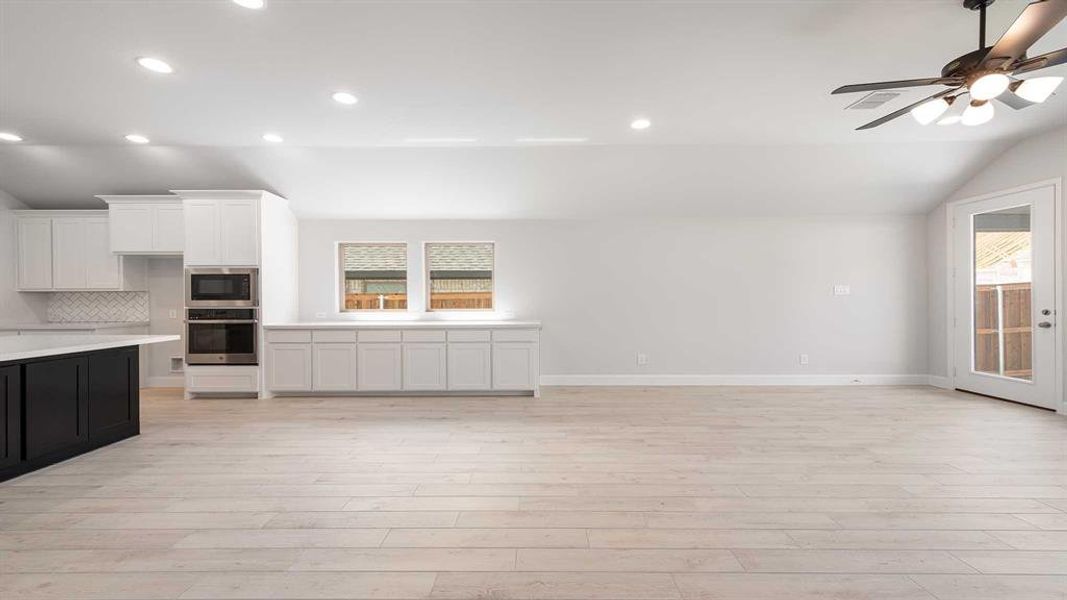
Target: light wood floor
717,493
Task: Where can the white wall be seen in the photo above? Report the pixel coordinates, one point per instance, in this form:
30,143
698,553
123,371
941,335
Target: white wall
166,294
1037,159
15,307
700,297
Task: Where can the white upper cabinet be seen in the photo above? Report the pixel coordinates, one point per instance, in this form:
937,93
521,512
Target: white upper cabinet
34,253
102,268
239,228
71,250
222,231
202,243
146,224
68,253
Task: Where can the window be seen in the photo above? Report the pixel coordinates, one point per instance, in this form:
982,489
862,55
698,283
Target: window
460,275
374,276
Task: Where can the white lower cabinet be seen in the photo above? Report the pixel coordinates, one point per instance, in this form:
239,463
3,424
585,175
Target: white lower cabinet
424,366
289,367
371,359
515,365
335,366
469,366
380,367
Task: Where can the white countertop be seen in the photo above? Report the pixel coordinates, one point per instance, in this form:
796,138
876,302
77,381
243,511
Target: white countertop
397,324
75,325
22,347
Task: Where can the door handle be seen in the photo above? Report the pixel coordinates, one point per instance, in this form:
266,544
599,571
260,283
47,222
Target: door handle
1044,325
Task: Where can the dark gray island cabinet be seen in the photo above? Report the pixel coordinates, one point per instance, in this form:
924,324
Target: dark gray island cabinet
58,406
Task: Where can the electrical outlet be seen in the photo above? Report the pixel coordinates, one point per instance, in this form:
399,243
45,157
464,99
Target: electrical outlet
803,359
642,359
842,289
173,314
320,315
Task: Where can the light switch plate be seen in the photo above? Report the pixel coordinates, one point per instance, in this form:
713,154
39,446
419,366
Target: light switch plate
842,289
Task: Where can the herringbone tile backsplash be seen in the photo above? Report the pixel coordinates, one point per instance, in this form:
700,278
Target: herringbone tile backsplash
94,307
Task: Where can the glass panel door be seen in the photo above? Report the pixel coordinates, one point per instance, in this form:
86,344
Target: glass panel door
1004,306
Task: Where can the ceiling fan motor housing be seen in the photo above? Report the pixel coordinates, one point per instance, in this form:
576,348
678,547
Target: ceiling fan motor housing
977,4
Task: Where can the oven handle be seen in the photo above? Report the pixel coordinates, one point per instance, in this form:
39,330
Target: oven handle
223,321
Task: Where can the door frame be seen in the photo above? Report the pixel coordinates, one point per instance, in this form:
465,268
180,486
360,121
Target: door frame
1060,285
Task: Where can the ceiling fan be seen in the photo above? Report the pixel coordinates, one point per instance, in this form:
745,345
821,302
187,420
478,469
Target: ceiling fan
987,73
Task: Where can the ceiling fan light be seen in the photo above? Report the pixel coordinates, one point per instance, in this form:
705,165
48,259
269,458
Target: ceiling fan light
950,120
928,112
989,86
978,113
1037,89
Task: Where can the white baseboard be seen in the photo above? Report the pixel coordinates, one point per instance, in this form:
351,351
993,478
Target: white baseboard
717,380
164,381
940,382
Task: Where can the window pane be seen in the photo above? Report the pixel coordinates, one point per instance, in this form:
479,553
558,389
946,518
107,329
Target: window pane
375,276
1003,332
461,276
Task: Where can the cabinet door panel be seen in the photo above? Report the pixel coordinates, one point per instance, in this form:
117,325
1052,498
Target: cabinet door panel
290,367
114,397
57,399
168,228
68,253
380,367
131,227
10,417
101,266
335,367
239,224
469,366
201,232
514,365
425,366
34,253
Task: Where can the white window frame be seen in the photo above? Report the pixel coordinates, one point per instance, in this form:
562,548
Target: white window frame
340,270
427,283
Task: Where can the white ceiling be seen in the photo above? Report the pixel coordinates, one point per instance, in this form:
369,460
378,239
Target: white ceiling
738,93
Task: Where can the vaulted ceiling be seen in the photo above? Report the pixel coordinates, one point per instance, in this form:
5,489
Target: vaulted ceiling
738,94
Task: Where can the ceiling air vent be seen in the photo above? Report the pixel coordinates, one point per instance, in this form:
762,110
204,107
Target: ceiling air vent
873,100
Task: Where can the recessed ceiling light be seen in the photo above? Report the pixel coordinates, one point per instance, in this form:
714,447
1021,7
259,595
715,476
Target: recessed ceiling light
137,138
551,140
273,138
441,140
345,98
253,4
154,64
7,136
640,123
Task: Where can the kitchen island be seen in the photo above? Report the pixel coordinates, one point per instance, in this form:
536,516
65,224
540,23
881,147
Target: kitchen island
64,395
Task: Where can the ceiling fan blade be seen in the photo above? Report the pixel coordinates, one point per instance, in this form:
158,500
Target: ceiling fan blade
1051,59
892,85
1010,98
905,110
1037,19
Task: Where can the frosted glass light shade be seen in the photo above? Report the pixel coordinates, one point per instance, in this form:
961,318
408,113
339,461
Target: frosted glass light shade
928,112
978,114
989,86
1038,89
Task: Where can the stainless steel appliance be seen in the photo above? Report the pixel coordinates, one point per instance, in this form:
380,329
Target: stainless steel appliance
221,336
221,287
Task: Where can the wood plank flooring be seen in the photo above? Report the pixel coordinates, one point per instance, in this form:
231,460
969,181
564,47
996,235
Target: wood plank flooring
595,493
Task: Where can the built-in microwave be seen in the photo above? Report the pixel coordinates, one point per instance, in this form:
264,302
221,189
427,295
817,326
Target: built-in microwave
221,287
